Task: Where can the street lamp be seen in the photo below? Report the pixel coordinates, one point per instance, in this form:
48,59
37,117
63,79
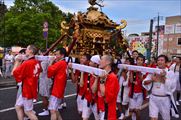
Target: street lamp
149,44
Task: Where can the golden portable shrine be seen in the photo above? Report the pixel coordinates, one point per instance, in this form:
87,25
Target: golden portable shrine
93,33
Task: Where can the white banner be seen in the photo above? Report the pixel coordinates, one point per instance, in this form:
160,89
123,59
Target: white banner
169,29
178,28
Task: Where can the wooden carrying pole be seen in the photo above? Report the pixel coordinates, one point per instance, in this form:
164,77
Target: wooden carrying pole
55,44
58,41
71,46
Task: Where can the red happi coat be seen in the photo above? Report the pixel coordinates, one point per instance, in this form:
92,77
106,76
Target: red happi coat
28,73
89,96
58,72
111,92
100,99
81,90
137,88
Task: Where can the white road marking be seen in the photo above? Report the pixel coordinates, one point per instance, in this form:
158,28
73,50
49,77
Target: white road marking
8,88
39,102
7,82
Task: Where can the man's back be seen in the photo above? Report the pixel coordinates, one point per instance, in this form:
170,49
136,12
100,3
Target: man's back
28,73
57,71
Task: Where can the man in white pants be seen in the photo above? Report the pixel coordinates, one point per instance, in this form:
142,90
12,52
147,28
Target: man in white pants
162,87
9,59
28,73
90,101
80,78
176,68
123,95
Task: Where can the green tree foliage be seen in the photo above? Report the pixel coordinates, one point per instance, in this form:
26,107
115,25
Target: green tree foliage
24,22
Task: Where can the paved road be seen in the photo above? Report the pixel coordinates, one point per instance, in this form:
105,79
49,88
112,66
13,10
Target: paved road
8,95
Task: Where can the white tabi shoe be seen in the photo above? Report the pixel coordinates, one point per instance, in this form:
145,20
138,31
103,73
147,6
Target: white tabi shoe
121,117
127,113
64,105
177,103
26,118
44,113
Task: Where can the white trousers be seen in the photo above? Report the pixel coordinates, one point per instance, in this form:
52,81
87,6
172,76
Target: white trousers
159,105
87,111
79,103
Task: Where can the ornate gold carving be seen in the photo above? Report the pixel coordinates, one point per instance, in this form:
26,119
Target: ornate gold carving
95,32
93,15
64,27
76,30
124,24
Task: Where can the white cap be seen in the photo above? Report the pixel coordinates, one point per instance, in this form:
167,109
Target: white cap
96,59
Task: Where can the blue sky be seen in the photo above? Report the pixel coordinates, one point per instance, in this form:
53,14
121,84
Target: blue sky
136,12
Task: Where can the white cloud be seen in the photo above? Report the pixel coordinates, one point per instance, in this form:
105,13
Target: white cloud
136,12
71,6
9,3
66,10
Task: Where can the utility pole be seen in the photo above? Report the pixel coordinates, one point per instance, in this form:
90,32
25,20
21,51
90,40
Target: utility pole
4,25
150,40
158,18
158,30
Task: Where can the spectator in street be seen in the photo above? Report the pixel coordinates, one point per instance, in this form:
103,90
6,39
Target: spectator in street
1,61
162,87
57,71
152,62
1,64
1,74
9,60
135,54
176,68
109,87
28,73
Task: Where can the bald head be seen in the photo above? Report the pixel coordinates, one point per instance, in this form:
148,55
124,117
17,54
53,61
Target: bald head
106,60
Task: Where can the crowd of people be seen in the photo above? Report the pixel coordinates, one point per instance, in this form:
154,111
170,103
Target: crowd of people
6,64
114,95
